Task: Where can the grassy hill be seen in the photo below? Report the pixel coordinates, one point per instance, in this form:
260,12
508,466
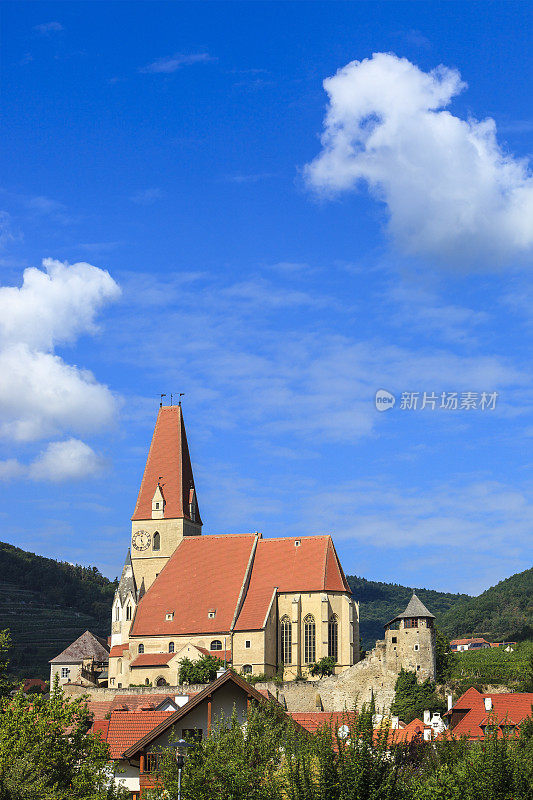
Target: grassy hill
47,604
380,602
503,612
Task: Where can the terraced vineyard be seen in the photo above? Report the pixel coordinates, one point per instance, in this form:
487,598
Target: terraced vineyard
492,665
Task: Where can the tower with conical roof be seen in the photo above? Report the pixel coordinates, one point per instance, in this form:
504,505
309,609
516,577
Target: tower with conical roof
167,508
410,641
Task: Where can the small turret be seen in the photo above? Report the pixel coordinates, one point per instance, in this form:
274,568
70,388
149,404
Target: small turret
410,640
124,604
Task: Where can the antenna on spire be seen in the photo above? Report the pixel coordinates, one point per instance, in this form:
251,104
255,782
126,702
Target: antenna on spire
182,394
161,401
159,480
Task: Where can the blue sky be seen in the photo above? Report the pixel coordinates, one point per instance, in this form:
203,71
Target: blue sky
200,213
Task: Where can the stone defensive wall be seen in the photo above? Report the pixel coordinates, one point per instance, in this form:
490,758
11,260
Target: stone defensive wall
347,691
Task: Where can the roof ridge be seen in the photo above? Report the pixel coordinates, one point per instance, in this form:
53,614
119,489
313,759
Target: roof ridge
302,536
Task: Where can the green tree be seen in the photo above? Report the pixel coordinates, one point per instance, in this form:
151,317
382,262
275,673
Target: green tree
202,671
236,762
5,644
326,666
47,753
412,698
444,655
526,685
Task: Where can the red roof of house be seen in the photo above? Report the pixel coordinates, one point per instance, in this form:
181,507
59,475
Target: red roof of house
127,727
507,709
313,721
296,564
100,708
412,730
168,460
152,659
205,573
468,641
100,727
118,650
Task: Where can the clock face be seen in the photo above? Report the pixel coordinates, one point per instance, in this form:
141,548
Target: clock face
141,540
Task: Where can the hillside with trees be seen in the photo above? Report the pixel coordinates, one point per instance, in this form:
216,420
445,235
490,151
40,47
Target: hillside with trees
380,602
47,604
503,612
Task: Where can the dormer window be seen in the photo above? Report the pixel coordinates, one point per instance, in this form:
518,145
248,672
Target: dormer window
158,503
212,614
169,616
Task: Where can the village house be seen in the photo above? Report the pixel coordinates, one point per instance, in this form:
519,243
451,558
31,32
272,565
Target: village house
474,714
84,661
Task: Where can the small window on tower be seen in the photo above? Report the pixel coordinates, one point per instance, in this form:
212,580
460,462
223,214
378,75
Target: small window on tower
141,649
156,545
157,505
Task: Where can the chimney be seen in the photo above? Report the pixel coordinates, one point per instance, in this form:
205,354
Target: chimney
395,723
449,699
427,734
220,672
427,717
488,704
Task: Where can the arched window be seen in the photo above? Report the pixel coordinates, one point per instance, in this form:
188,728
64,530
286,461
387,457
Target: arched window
171,647
286,640
309,639
147,681
333,637
156,542
117,613
161,682
247,669
119,666
141,648
128,612
216,644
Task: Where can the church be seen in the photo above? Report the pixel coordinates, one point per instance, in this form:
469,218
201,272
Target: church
262,605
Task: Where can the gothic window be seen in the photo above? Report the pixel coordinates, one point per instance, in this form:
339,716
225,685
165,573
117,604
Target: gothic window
156,545
117,613
171,647
128,612
309,639
119,666
216,644
333,637
141,649
286,640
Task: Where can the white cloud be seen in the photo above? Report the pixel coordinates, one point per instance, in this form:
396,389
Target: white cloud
48,27
452,192
10,468
54,305
175,62
45,396
62,461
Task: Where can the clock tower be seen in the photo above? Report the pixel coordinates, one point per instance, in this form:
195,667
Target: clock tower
166,508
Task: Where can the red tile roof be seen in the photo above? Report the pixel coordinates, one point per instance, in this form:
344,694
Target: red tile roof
310,566
100,728
168,459
205,573
313,721
152,659
507,709
100,708
126,728
118,650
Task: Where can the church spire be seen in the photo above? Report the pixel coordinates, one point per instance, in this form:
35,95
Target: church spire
168,467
